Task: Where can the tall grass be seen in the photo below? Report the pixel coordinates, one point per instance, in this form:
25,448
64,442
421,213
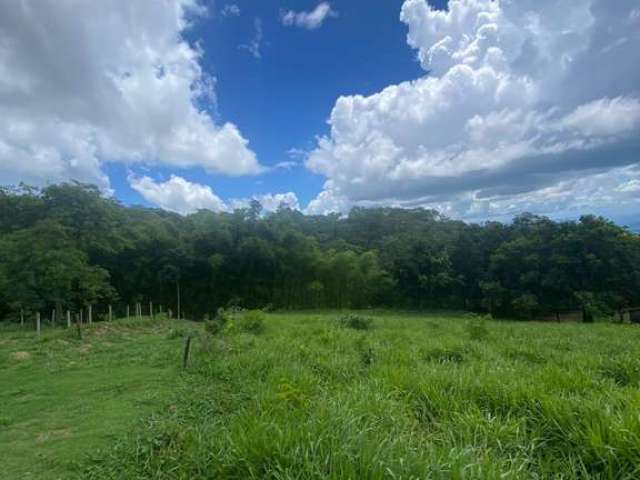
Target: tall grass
414,397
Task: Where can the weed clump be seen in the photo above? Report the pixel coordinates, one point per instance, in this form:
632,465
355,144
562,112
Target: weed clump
356,322
251,321
216,324
233,320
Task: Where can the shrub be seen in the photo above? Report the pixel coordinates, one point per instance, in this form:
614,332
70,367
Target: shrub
251,321
217,323
526,305
356,322
235,319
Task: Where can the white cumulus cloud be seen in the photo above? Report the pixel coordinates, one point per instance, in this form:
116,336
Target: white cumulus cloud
270,201
86,83
519,99
309,20
177,194
182,196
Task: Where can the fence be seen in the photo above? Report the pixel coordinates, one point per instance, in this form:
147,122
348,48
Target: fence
91,313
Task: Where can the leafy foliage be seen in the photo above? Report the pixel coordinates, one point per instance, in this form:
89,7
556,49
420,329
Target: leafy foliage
67,246
234,320
249,321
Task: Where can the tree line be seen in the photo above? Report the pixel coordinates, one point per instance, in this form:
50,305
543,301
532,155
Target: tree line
66,246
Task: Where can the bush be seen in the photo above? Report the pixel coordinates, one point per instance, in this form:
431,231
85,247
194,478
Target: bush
526,305
217,323
251,321
234,319
356,322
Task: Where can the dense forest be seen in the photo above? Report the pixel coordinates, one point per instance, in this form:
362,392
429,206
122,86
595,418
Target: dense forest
66,246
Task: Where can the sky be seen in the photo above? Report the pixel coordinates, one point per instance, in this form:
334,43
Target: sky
480,109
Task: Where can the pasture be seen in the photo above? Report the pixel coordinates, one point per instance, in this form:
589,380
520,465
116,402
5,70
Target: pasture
410,396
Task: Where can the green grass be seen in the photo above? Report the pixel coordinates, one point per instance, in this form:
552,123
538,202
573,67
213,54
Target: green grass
413,396
62,398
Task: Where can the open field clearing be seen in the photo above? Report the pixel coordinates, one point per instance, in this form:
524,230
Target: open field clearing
62,398
305,396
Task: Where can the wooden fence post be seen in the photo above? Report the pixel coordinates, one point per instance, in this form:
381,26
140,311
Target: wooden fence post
178,299
127,311
21,318
53,316
79,325
110,313
68,319
38,323
81,319
151,310
90,314
187,348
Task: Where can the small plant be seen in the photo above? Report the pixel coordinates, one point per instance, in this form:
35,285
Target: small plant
356,322
216,324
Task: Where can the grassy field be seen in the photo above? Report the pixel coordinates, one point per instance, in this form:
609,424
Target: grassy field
414,396
62,398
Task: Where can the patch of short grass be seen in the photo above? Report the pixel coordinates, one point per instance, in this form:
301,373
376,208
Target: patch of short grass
63,398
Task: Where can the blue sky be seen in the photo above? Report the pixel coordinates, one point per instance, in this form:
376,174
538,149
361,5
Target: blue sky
282,100
481,109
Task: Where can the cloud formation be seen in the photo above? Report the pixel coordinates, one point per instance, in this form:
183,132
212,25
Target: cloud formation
309,20
270,201
254,46
230,10
86,83
519,99
177,194
182,196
